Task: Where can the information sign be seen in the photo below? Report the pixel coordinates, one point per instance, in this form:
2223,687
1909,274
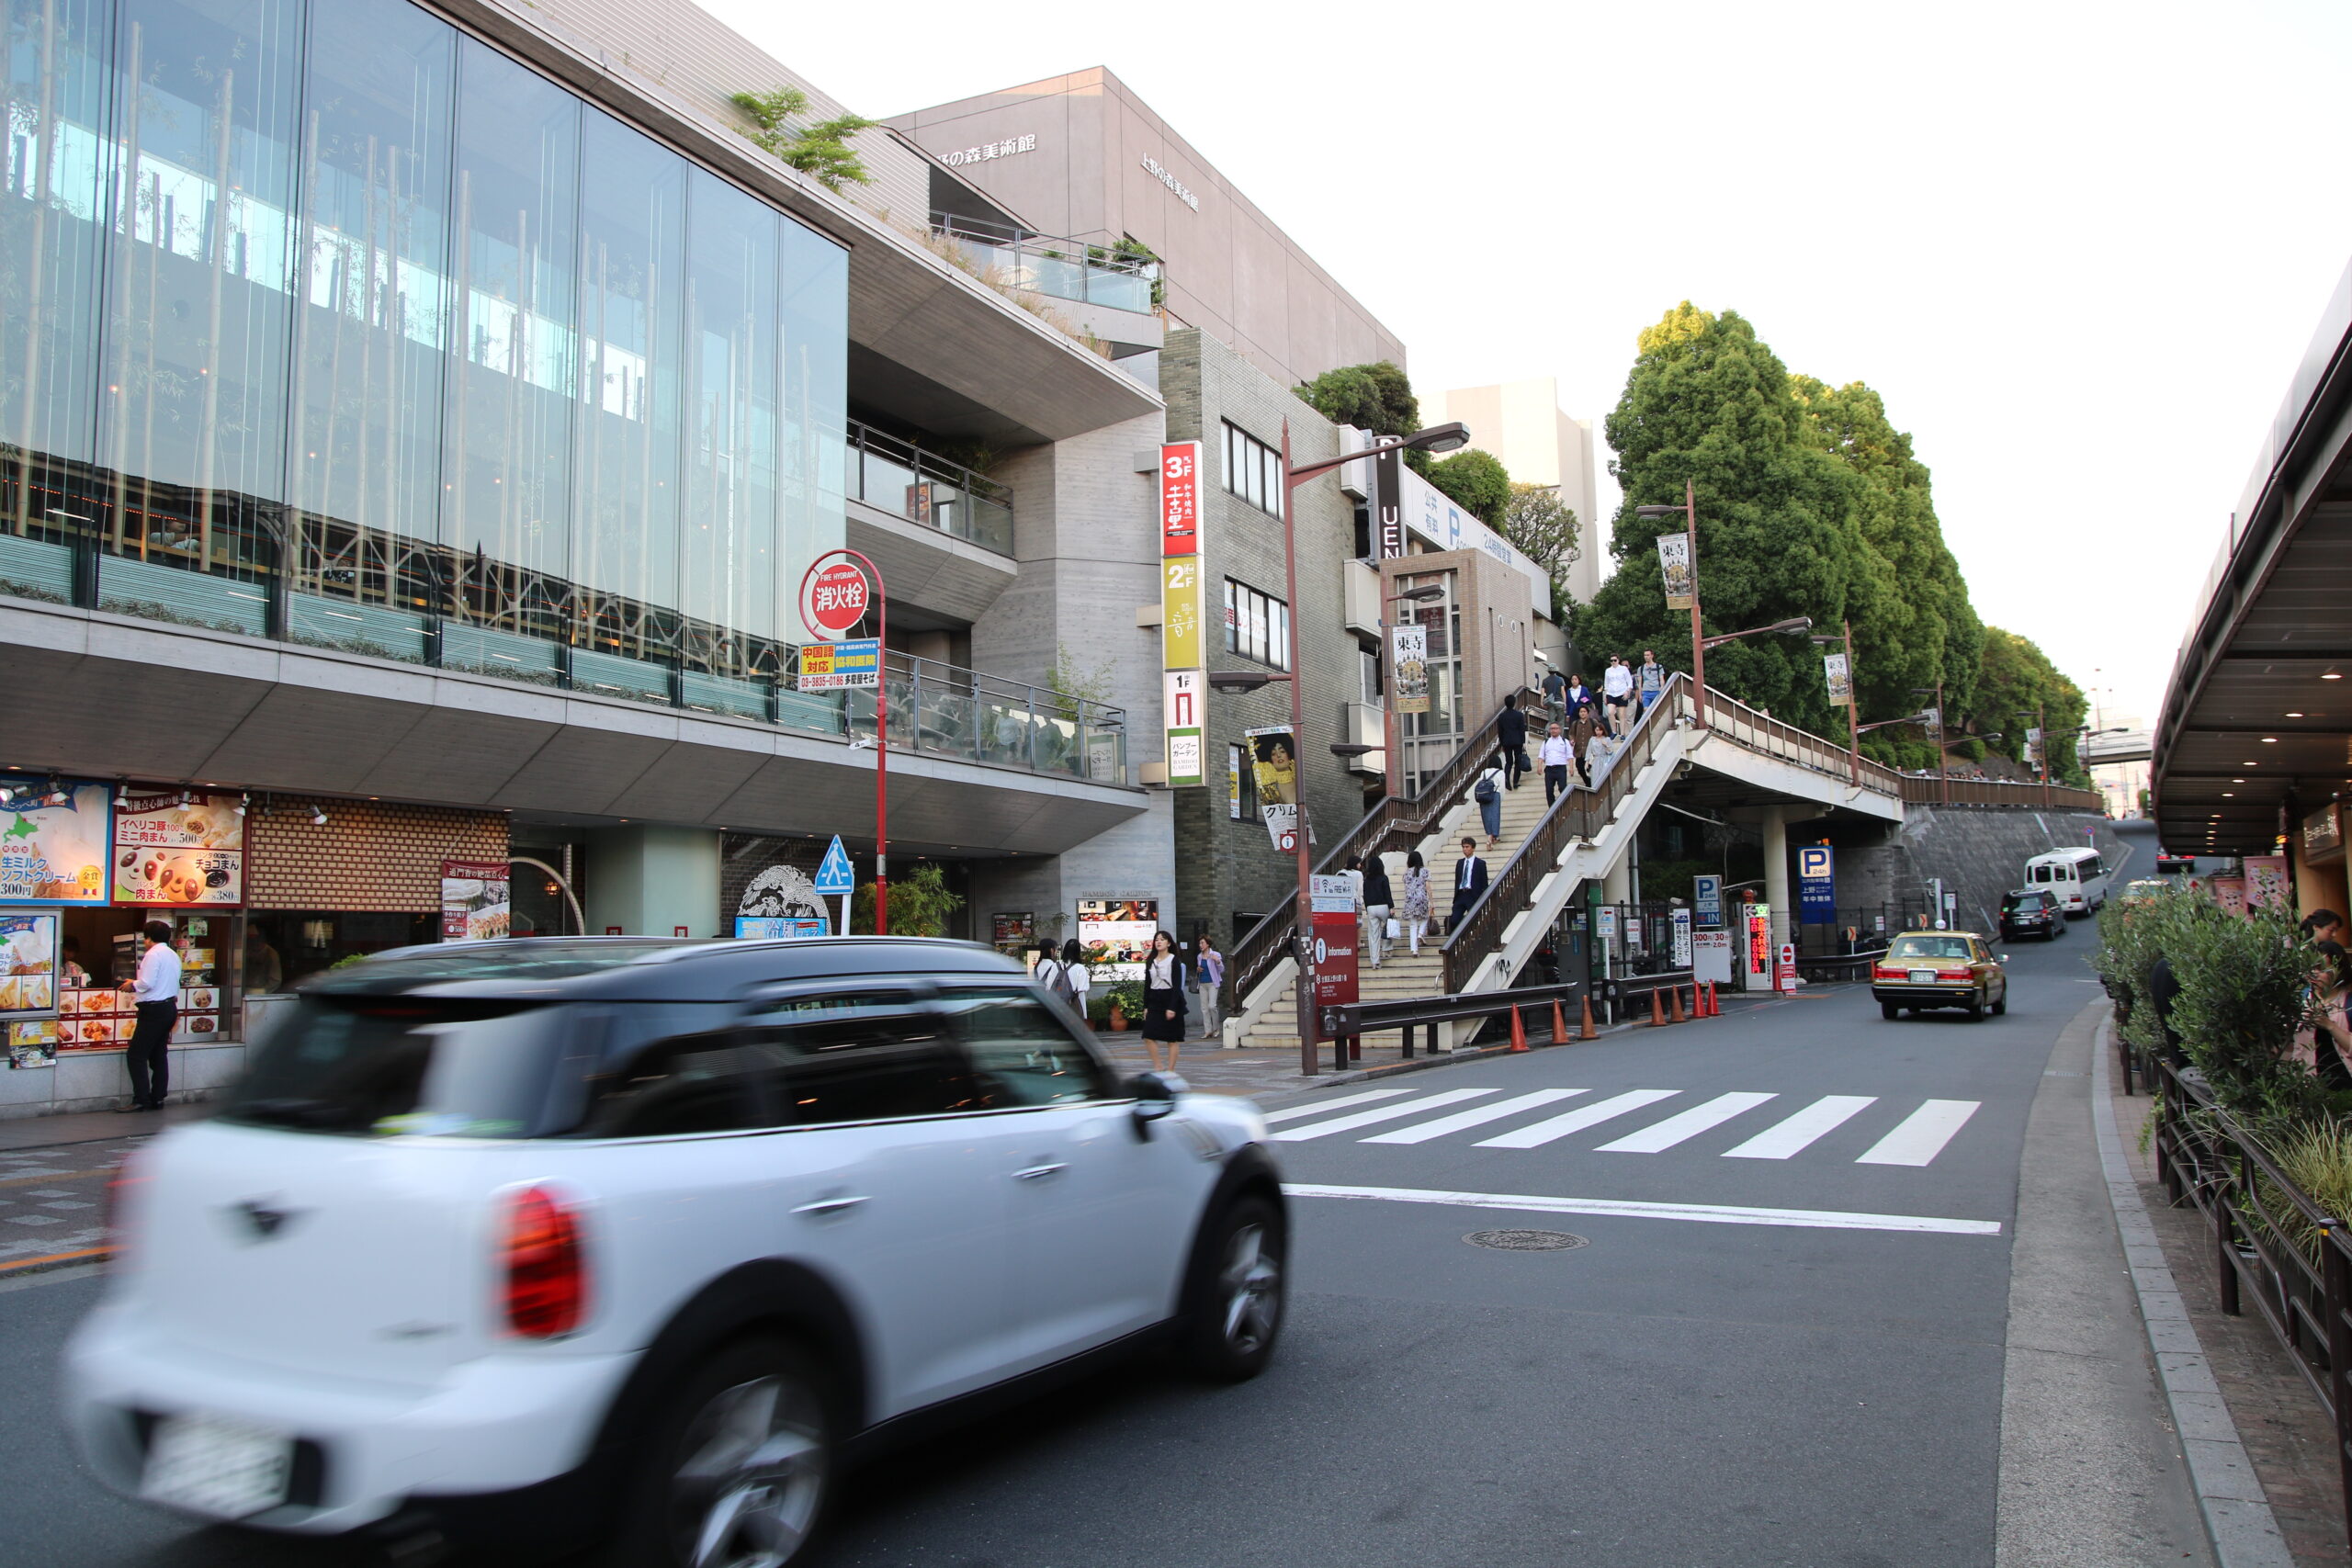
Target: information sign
834,597
1707,898
834,666
1682,938
835,876
1183,695
1816,884
1180,498
774,926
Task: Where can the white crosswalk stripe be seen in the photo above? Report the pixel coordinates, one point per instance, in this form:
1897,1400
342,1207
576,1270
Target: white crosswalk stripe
1687,1125
1576,1121
1381,1113
1477,1115
1798,1133
1921,1136
1320,1106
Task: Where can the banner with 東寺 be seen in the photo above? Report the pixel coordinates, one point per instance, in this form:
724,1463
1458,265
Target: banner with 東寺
1674,567
1408,668
1841,684
1273,754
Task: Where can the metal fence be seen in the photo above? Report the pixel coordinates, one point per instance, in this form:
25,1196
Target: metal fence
1931,790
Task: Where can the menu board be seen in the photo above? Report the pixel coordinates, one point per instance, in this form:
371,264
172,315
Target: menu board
29,965
32,1043
477,901
1116,934
54,843
177,848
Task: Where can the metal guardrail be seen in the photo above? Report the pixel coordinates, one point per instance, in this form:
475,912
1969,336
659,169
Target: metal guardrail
1344,1024
1392,825
2274,1246
902,479
1931,791
1761,733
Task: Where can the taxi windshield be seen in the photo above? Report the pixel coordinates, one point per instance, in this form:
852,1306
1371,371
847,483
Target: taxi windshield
1930,947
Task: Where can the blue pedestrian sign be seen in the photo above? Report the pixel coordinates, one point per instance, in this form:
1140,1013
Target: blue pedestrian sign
1816,884
834,877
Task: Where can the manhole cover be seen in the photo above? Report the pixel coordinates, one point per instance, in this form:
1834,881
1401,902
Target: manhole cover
1524,1241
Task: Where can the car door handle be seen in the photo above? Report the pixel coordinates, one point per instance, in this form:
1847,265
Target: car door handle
1039,1172
830,1205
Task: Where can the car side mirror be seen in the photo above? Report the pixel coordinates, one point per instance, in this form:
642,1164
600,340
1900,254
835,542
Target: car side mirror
2003,959
1154,1097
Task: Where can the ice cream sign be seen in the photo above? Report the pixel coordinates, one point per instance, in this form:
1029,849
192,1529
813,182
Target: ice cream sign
53,838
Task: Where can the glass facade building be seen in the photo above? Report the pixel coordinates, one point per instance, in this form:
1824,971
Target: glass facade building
320,320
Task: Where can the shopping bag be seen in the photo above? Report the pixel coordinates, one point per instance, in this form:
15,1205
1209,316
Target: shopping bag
1396,930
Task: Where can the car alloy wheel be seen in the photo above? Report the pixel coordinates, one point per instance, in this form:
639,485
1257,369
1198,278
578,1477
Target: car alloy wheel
752,1475
1250,1290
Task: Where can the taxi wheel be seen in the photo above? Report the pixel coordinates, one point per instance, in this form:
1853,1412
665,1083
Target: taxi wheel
1976,1009
1889,1010
2001,1006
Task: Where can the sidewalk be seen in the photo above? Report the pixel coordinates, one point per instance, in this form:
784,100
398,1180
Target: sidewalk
91,1126
2288,1436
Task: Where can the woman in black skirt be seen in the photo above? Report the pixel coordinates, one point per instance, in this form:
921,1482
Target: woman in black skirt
1164,984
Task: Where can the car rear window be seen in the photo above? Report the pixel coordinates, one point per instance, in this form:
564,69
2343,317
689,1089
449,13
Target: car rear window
1945,947
366,1067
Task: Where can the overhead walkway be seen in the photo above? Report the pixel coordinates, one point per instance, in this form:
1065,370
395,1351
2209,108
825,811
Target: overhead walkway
1741,761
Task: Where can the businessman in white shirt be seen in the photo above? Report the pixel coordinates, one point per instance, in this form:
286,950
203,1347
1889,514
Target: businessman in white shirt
156,994
1559,755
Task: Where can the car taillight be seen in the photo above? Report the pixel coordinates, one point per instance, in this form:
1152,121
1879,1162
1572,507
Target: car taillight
1886,971
119,1182
545,1266
1953,975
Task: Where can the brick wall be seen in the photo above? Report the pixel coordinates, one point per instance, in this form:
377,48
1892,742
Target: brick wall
743,857
1223,865
369,855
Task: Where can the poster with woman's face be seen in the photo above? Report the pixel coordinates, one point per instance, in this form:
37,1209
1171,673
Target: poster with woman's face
1275,754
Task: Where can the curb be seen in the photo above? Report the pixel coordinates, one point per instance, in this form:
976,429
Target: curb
2238,1520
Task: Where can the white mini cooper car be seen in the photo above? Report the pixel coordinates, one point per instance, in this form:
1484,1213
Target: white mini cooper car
536,1245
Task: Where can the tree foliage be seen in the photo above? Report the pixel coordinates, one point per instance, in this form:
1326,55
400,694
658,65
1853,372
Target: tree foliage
1476,482
820,150
2015,682
1376,397
1708,402
1545,530
920,904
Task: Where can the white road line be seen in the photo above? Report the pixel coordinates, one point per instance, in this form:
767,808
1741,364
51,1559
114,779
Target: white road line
1688,1124
1576,1121
1321,1106
1921,1136
1797,1134
1385,1113
1476,1115
1700,1214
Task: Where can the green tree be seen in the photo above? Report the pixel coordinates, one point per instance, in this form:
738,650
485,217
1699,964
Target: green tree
2014,678
1475,481
1913,623
1376,397
1709,402
820,150
920,904
1545,531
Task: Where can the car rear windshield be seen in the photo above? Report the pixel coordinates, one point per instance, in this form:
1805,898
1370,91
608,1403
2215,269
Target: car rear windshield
378,1067
1951,947
2025,901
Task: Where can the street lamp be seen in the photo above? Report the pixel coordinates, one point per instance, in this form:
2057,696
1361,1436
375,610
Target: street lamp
1943,764
1436,438
1792,628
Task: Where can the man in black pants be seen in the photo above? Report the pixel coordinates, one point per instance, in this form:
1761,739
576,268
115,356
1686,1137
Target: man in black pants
1511,733
1469,885
156,993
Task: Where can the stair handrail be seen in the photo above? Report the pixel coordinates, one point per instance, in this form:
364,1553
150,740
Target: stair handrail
1391,824
1760,732
1578,814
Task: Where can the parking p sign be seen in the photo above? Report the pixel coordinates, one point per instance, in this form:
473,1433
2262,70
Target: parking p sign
1816,884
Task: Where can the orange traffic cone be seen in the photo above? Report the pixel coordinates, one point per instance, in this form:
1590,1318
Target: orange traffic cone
1714,1003
1559,1023
1588,1032
1677,994
1657,1012
1518,1031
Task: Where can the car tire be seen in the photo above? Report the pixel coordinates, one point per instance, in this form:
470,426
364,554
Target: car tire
2001,1006
1976,1009
1233,1302
1889,1012
737,1467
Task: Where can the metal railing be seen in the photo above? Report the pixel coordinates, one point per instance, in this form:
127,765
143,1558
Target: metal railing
1392,825
1619,998
2274,1246
1050,265
1931,790
1761,733
1579,814
971,716
902,479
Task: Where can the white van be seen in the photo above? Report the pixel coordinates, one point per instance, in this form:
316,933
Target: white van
2077,876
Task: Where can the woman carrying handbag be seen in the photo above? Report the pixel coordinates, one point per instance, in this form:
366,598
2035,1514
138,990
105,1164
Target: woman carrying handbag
1415,910
1164,984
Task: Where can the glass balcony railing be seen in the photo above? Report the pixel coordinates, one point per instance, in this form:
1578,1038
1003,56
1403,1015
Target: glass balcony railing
906,482
1058,268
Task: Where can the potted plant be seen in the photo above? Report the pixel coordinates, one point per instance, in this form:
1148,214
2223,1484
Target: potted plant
1127,1004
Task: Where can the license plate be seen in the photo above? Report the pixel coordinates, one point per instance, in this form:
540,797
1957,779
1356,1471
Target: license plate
211,1464
1923,976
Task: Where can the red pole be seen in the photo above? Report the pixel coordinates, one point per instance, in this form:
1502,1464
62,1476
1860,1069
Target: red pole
1854,730
1307,1062
881,740
1698,637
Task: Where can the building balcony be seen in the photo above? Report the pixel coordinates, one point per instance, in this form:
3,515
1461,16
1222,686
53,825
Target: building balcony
1069,270
1364,724
902,479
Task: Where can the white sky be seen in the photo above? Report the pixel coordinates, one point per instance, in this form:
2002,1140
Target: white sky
2079,248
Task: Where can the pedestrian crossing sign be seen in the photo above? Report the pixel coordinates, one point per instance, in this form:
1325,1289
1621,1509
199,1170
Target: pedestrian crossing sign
834,876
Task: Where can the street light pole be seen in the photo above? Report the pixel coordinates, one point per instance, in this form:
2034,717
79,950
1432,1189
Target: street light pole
1689,510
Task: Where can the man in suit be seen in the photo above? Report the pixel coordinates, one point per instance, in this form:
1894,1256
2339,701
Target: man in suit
1469,885
1511,733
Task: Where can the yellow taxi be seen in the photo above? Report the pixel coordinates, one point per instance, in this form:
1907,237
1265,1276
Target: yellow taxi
1939,969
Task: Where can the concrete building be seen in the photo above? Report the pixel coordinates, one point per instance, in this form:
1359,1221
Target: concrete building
1538,443
1094,163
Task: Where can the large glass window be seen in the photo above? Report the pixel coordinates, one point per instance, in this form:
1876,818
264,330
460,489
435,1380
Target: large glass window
1253,471
1257,626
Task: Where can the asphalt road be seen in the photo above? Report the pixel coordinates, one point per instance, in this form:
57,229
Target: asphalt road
1764,1367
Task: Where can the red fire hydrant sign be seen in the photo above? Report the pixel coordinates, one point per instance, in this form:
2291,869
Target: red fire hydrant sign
1333,905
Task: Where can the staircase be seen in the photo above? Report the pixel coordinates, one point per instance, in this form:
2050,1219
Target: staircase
1401,975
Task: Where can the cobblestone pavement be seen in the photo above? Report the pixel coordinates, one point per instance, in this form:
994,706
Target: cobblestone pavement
2286,1432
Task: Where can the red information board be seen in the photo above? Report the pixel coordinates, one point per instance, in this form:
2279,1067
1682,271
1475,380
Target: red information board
1335,931
1180,498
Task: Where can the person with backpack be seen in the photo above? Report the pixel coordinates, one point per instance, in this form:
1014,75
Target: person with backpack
1488,792
1067,976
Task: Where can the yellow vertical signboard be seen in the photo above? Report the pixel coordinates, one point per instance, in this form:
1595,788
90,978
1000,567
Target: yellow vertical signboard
1182,624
